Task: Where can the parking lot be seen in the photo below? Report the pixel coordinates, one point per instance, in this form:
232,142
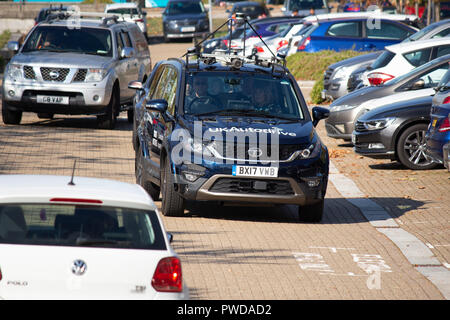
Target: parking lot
385,232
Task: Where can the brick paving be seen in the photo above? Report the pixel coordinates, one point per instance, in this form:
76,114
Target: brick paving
242,252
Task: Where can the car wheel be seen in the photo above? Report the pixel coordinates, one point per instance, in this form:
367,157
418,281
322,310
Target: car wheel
172,203
311,213
45,115
10,116
130,115
108,120
411,148
151,189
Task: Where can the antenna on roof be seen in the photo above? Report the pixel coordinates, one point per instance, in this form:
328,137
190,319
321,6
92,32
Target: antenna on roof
73,173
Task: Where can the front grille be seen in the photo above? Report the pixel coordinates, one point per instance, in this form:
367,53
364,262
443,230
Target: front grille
359,127
186,23
252,186
240,151
47,74
80,75
29,72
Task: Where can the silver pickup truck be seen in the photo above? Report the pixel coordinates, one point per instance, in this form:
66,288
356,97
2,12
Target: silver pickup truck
78,69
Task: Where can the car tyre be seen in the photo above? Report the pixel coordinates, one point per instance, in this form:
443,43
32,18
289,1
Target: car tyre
130,115
108,120
10,116
411,148
45,115
151,189
311,213
172,203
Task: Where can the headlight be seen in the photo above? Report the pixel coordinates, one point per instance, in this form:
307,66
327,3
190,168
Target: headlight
378,123
311,152
212,44
15,71
95,75
342,107
340,73
172,24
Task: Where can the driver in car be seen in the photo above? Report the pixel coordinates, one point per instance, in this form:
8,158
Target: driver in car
199,101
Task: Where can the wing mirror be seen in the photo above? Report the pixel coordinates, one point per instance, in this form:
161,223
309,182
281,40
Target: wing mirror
159,105
126,52
419,84
136,85
319,113
13,46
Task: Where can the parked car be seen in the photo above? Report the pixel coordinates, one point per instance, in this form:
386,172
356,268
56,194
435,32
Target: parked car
351,7
84,70
438,134
400,58
129,12
354,34
396,131
217,100
67,237
185,19
303,7
435,30
417,83
335,78
250,9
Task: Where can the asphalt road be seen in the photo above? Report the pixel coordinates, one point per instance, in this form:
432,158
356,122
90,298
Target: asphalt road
384,235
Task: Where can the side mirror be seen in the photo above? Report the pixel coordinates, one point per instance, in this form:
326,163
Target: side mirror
159,105
170,237
136,85
419,84
126,52
13,46
319,113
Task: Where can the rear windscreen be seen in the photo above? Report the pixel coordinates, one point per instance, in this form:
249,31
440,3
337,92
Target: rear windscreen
80,225
383,59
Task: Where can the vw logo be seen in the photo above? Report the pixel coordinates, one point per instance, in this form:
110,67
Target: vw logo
79,267
53,74
254,152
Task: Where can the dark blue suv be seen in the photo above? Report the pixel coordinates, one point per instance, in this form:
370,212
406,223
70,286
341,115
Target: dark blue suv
220,128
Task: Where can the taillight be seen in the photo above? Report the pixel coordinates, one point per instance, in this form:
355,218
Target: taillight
139,20
167,277
259,49
446,100
282,43
445,125
304,43
377,78
1,275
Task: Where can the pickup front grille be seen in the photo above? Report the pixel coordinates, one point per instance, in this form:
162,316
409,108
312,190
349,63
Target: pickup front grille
29,73
80,75
54,74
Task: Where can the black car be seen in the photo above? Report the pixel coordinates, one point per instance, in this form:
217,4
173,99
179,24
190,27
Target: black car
185,19
218,128
397,132
251,9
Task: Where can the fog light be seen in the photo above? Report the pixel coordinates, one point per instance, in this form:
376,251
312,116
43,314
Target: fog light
376,146
96,97
11,93
313,183
190,177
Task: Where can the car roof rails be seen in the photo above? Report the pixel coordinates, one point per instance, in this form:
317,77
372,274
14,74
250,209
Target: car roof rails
232,56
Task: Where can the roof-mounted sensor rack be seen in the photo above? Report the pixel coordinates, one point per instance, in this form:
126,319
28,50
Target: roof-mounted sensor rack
235,57
74,14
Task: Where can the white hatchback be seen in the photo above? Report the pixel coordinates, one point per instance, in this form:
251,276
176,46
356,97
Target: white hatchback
85,238
129,12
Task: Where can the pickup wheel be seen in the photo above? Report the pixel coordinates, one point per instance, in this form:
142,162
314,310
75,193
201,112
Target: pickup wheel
151,189
172,202
10,116
311,213
108,120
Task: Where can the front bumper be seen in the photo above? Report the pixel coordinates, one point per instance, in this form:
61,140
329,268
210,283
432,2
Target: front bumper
374,144
186,35
334,89
83,98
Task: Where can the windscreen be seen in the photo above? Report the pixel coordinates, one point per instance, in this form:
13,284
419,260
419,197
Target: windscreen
62,39
241,92
131,11
184,7
80,226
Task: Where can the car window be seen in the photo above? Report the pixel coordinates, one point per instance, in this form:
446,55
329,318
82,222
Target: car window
241,92
418,57
383,59
64,39
445,79
170,89
160,85
434,76
345,29
131,11
385,30
80,225
442,51
119,42
442,33
126,39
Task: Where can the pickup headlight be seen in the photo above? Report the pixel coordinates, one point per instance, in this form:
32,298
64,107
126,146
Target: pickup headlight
342,107
95,75
378,124
14,72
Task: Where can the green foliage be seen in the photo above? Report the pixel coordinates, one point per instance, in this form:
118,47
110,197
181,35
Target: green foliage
4,37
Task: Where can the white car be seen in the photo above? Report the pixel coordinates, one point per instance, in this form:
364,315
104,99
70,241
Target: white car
83,238
130,12
401,58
